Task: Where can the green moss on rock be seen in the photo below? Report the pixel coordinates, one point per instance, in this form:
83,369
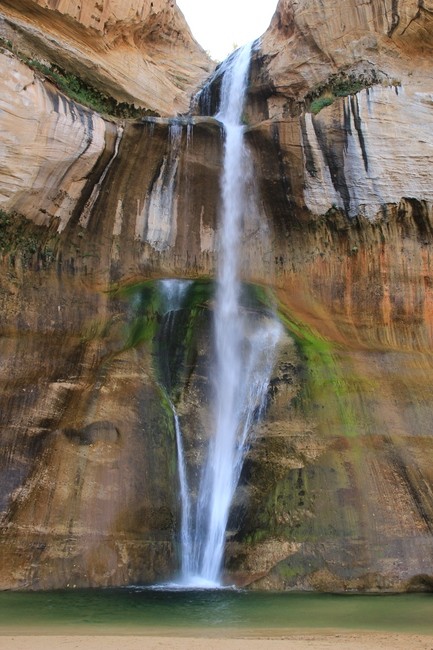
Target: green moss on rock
21,238
326,386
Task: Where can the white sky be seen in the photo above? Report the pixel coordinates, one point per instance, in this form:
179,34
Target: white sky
219,24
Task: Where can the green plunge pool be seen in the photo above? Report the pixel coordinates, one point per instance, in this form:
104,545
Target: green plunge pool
144,611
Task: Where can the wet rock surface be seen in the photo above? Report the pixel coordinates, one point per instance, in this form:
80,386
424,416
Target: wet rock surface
336,491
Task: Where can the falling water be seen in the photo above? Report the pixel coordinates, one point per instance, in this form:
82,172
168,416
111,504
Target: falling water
244,351
173,294
244,347
186,541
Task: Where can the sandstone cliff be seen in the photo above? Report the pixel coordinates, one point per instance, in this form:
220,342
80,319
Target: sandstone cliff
137,51
308,41
336,492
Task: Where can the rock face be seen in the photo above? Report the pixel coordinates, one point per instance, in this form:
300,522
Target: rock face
308,41
377,169
65,142
137,51
336,492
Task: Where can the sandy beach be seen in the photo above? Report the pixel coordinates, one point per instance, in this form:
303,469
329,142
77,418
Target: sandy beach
282,641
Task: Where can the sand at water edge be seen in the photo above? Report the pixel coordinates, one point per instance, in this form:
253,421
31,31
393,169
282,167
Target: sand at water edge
282,641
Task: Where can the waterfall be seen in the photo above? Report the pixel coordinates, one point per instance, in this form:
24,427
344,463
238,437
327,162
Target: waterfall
244,350
244,346
185,500
172,294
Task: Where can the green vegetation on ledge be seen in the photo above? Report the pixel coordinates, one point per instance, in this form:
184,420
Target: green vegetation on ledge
342,85
79,90
319,103
22,238
339,88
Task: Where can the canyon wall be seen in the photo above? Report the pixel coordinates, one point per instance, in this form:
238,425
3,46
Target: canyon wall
336,492
137,51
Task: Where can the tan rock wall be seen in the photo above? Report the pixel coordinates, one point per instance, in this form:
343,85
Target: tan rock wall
307,41
381,140
137,52
49,146
100,15
82,494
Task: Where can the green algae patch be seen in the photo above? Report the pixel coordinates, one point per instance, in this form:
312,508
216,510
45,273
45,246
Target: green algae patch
326,393
167,317
142,313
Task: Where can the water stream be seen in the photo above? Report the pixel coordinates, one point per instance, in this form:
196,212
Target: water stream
244,350
173,295
243,355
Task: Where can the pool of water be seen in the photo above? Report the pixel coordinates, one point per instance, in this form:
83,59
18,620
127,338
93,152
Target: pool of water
138,610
